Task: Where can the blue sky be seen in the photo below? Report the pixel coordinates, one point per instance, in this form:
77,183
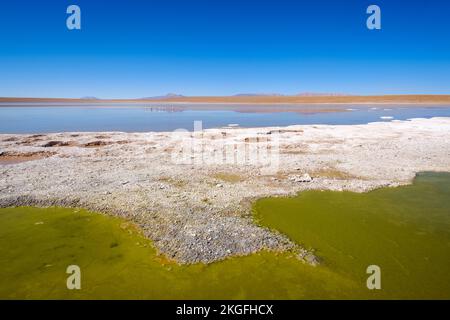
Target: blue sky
132,49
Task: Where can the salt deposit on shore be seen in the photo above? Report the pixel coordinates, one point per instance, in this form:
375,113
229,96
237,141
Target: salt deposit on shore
198,209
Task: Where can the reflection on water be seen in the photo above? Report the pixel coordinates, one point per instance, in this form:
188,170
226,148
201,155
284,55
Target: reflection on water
157,117
406,231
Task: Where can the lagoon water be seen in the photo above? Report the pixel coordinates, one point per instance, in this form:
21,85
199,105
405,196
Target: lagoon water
405,231
39,118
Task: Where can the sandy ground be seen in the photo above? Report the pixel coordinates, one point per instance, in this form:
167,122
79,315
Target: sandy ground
192,192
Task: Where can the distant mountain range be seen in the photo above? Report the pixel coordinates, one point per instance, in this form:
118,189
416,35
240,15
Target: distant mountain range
258,99
303,94
175,95
89,98
258,95
322,94
169,95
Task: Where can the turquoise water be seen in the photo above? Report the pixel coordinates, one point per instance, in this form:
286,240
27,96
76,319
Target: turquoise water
141,118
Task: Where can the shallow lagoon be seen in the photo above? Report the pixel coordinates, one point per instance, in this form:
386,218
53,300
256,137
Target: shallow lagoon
406,231
38,118
37,245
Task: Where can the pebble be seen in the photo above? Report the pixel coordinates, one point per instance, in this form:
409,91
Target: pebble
303,178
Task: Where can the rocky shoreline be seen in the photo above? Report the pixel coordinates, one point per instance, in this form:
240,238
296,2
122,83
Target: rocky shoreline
199,209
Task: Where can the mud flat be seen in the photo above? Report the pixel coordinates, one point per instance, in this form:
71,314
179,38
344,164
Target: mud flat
197,209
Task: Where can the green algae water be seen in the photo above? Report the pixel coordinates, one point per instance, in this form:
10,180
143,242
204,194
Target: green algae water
116,262
404,230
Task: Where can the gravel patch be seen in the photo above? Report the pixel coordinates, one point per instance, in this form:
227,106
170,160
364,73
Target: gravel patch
199,210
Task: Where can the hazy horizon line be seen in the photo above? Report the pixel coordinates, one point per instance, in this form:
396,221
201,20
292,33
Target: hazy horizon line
237,95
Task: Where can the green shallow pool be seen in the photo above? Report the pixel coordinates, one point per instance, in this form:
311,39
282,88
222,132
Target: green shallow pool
37,245
405,231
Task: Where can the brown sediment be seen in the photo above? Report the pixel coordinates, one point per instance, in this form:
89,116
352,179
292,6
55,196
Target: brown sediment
11,139
294,149
18,157
228,177
30,140
51,144
122,141
333,173
98,143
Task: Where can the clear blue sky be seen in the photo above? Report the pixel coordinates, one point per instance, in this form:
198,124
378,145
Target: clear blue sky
221,47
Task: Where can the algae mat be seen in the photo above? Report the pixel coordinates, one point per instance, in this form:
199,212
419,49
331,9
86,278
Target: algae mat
404,230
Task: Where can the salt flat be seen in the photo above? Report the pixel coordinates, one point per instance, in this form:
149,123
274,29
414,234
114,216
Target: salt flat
192,192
